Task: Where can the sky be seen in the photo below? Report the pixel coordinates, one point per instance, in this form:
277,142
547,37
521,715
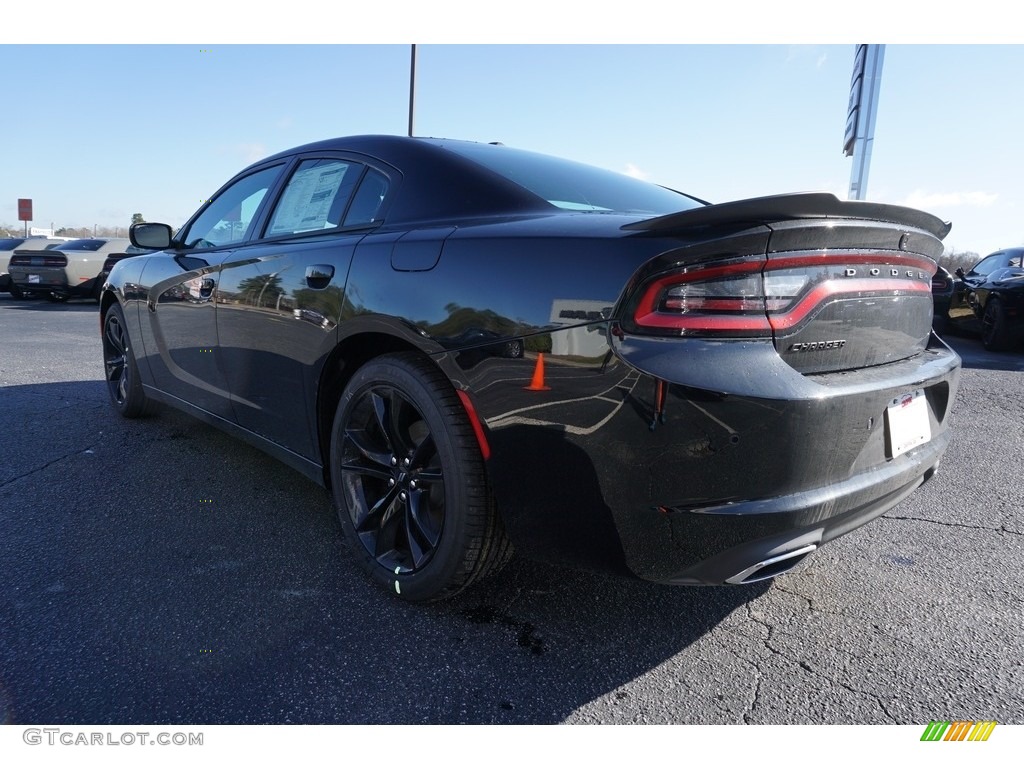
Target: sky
93,134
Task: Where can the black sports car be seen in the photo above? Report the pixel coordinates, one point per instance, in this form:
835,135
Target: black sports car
690,393
989,299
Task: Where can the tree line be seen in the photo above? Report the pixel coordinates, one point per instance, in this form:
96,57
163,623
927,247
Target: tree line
8,230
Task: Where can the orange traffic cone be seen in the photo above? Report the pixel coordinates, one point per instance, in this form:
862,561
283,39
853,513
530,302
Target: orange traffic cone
537,384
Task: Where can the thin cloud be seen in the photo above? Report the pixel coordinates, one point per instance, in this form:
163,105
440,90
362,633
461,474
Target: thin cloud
922,199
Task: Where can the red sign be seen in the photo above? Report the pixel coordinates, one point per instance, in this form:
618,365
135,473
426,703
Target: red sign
24,209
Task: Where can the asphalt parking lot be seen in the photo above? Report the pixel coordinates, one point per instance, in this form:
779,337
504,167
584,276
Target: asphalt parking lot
158,571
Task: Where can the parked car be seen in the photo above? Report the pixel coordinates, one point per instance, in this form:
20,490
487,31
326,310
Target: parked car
7,247
704,394
69,271
111,260
989,300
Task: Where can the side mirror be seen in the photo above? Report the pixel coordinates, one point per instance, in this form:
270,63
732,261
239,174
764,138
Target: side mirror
959,272
155,237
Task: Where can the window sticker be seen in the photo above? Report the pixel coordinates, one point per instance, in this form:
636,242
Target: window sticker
307,200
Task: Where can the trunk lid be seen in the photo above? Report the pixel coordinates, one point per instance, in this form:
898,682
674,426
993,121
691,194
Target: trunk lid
839,285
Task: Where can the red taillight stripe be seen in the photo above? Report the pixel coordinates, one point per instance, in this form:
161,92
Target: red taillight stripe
647,312
706,322
832,288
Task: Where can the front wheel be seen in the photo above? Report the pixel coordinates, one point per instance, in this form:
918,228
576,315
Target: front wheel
409,482
995,336
120,368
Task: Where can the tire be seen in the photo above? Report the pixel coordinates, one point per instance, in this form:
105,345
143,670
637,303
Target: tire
409,482
120,368
16,292
995,336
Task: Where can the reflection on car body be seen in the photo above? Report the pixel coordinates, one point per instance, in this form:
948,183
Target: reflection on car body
598,370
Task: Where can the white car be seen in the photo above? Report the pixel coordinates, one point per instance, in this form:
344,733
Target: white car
7,247
69,270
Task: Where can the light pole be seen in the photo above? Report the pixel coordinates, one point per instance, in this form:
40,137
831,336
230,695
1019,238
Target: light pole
412,87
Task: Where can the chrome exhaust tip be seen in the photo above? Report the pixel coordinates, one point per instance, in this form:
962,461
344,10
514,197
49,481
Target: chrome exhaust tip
772,567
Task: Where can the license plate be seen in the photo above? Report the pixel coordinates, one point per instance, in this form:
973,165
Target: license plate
33,278
906,422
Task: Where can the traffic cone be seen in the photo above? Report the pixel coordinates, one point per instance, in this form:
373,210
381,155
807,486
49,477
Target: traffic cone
537,384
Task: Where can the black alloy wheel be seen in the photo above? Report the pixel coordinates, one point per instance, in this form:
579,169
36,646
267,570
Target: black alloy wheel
120,369
409,482
995,336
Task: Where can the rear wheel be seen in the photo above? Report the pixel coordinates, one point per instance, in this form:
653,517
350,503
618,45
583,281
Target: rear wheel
409,481
16,292
995,336
120,369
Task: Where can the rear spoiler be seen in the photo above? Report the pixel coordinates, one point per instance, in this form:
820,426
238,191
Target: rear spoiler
804,205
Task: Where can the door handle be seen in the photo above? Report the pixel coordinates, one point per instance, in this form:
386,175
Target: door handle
206,287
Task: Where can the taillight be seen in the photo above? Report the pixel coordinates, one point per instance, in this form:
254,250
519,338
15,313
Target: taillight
756,297
38,260
721,299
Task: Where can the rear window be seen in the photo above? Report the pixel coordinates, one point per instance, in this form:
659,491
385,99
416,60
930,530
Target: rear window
83,245
10,243
574,186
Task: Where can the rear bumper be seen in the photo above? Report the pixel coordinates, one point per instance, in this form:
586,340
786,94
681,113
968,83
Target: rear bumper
799,468
728,543
50,280
746,461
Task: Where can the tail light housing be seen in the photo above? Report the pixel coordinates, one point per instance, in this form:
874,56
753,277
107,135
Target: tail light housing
38,260
760,296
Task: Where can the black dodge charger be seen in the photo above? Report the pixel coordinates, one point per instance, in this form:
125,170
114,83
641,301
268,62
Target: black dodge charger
699,394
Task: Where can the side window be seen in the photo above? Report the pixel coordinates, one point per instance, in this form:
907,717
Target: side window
366,205
315,197
986,265
229,218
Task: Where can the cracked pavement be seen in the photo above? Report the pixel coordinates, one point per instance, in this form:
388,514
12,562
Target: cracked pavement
127,600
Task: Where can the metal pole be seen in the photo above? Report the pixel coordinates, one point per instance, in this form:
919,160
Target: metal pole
412,88
866,122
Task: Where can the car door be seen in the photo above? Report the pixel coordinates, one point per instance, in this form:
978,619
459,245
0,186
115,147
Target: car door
179,330
279,301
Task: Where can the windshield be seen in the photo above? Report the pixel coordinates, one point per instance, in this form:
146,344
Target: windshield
574,186
10,243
